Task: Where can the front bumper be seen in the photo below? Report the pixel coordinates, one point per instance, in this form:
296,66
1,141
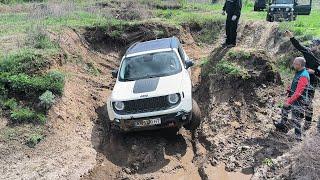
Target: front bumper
167,121
282,16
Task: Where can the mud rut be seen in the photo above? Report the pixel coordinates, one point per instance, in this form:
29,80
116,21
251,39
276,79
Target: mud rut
79,118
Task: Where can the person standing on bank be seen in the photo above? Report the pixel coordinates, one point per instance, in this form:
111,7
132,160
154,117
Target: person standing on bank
297,99
233,10
312,66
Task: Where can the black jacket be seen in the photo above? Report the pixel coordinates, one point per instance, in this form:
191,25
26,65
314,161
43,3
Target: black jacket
311,61
233,7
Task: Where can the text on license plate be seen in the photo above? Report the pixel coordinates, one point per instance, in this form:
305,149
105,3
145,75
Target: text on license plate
148,122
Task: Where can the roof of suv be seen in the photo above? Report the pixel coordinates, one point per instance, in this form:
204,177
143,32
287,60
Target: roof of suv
164,43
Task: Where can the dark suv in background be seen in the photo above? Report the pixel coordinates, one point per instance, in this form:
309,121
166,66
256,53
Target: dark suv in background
287,10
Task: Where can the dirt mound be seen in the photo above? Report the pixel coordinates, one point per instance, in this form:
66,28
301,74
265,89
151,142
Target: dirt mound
121,36
239,90
261,35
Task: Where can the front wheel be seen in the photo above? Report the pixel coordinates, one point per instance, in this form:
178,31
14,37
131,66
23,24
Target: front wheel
195,117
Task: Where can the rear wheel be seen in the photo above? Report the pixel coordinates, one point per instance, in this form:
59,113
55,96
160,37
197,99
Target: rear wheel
195,117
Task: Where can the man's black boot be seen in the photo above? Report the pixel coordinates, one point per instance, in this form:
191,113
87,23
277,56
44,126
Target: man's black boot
280,126
307,123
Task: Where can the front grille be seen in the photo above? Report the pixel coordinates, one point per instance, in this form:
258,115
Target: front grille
146,105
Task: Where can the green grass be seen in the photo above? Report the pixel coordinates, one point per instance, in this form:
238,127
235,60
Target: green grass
305,25
239,54
232,69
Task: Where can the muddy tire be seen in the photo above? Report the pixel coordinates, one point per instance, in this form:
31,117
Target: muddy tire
195,117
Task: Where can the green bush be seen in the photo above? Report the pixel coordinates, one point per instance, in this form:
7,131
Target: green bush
21,115
3,90
34,139
26,61
39,39
34,85
47,100
25,115
10,103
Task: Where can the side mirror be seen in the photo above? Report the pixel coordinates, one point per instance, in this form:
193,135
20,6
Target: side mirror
189,63
114,73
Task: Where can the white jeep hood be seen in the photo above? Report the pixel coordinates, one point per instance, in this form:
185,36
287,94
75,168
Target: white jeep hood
160,86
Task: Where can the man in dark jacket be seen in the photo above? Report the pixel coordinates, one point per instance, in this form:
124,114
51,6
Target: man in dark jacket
312,65
297,98
233,10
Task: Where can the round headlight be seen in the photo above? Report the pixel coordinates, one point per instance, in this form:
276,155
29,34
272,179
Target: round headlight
272,9
119,105
287,9
173,98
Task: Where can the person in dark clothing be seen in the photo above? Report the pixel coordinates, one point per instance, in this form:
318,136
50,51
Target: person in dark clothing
297,98
312,65
233,10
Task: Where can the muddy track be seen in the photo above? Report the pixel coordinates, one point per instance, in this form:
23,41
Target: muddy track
146,155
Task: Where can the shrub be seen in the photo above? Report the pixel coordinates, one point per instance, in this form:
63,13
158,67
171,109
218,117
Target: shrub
34,139
21,115
39,39
47,99
10,103
22,83
25,115
26,61
3,90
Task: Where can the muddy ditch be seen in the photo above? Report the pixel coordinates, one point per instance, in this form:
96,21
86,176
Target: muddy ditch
234,138
234,133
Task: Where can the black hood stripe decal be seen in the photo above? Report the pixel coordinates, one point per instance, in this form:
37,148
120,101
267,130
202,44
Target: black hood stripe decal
146,85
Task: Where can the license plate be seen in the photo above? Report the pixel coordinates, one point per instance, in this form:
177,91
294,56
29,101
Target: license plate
148,122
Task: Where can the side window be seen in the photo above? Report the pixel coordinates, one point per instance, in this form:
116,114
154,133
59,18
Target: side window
181,53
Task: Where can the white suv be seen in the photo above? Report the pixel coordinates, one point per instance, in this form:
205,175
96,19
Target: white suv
153,88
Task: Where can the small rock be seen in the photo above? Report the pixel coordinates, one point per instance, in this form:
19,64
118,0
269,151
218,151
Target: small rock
230,167
239,104
245,148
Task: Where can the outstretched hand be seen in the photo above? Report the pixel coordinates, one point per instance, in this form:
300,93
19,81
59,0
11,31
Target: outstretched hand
234,17
288,34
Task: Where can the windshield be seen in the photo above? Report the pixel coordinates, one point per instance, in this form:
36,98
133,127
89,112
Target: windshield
149,65
283,1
